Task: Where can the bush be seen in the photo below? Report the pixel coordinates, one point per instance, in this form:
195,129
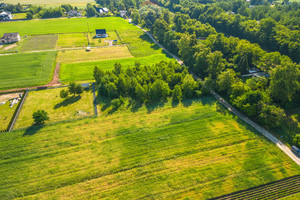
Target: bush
64,93
271,115
40,117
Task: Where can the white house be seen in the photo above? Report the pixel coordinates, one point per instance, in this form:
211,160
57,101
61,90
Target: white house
123,13
5,16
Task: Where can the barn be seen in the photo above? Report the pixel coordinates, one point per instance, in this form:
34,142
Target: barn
101,33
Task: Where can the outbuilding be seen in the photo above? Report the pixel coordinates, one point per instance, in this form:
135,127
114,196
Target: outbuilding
10,38
5,16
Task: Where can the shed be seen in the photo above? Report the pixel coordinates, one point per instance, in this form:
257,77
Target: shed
101,33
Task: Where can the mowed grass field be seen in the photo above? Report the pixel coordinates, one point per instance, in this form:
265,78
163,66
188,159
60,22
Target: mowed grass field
69,25
39,42
58,109
105,53
6,114
84,70
196,150
27,69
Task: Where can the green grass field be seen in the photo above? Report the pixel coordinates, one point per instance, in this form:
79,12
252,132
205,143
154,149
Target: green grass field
19,15
196,150
58,109
6,114
39,42
97,54
71,40
69,25
28,69
84,70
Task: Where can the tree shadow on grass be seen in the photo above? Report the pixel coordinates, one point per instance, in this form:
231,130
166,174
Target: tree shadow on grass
67,101
155,105
32,130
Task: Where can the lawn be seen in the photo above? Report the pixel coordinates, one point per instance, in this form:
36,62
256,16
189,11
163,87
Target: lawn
72,40
27,69
65,25
97,54
18,15
195,150
39,42
6,113
84,70
58,109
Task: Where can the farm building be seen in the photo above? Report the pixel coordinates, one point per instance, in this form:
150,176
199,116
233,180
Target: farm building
101,33
2,5
5,16
74,13
102,10
10,38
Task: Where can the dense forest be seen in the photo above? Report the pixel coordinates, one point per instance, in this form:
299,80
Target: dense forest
220,42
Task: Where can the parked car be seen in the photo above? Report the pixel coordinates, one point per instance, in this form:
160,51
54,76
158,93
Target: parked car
295,150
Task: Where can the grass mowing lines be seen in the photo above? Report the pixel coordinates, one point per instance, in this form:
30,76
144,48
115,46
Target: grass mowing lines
58,109
84,70
39,42
81,55
24,70
167,157
65,25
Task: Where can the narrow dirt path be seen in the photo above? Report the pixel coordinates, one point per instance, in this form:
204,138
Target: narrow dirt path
260,129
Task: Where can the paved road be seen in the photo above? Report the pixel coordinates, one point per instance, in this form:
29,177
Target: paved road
260,129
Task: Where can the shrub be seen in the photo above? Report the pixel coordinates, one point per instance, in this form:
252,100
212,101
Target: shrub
40,117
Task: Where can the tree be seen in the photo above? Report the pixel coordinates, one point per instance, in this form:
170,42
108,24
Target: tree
177,94
40,117
112,90
98,74
79,89
159,90
140,93
64,93
225,81
284,83
271,115
90,10
216,63
29,15
188,87
75,88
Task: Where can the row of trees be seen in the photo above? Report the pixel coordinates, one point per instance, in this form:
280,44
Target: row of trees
41,12
148,83
221,61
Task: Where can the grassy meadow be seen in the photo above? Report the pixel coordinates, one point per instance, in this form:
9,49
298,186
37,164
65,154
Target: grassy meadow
106,53
84,70
58,109
19,15
6,114
71,40
28,69
195,150
39,42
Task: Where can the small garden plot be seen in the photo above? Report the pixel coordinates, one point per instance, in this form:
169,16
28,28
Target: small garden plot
84,70
39,42
8,104
105,53
71,40
58,109
27,69
112,35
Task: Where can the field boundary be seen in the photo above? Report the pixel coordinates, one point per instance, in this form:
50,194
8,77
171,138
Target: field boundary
274,190
95,101
17,112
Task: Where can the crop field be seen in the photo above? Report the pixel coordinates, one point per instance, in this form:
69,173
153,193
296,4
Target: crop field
39,42
106,53
84,70
28,69
44,2
194,150
58,109
69,25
